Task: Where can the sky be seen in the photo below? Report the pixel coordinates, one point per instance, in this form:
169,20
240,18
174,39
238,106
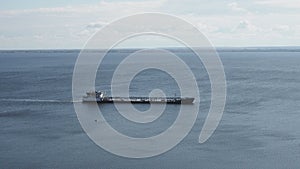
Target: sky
62,24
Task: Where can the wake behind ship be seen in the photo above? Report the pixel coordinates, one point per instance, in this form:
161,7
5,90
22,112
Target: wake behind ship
99,97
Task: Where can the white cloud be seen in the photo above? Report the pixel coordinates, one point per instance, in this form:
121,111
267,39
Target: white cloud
245,25
280,3
124,7
57,10
281,28
235,7
96,25
91,28
206,27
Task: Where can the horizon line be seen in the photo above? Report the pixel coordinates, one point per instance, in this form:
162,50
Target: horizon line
175,47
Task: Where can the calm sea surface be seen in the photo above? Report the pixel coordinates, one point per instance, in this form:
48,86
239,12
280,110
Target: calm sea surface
260,127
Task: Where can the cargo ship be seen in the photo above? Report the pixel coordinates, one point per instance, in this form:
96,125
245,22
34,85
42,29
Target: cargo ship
99,97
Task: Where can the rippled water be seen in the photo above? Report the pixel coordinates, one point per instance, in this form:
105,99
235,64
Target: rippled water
259,128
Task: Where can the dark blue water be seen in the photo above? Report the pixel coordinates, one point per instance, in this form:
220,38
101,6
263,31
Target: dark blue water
259,128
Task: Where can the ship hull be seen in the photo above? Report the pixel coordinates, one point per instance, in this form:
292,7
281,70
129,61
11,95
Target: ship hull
141,100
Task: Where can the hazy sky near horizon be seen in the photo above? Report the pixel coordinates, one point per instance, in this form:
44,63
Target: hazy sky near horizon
57,24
